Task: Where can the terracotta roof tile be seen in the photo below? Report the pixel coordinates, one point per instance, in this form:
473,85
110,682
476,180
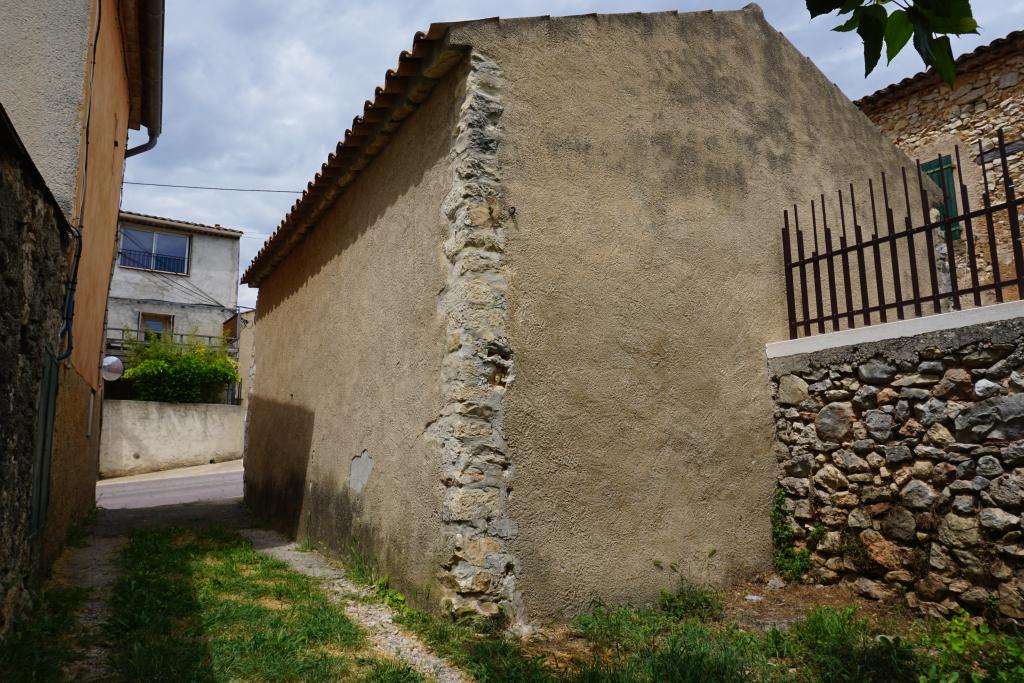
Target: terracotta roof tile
405,87
981,55
160,221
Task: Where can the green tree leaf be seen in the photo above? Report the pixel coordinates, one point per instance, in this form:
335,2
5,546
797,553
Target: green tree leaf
898,30
944,63
929,22
871,29
851,23
948,16
819,7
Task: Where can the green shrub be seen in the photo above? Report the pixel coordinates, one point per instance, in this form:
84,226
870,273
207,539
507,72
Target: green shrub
966,651
193,372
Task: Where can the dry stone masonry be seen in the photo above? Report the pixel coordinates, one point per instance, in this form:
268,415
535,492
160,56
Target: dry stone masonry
902,463
33,247
479,574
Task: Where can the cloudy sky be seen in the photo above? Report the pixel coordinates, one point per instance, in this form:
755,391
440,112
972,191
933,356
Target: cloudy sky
258,92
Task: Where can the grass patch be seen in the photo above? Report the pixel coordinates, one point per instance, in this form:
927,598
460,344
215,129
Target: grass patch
78,534
478,646
41,642
834,645
691,600
203,605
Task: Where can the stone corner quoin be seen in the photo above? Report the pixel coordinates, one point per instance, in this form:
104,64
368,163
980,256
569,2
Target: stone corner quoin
478,575
902,463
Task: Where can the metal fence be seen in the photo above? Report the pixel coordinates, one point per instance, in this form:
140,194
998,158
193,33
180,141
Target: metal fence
850,280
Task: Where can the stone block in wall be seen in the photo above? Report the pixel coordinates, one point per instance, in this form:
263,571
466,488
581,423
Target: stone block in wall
918,479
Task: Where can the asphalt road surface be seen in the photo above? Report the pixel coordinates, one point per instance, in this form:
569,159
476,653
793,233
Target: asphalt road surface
184,485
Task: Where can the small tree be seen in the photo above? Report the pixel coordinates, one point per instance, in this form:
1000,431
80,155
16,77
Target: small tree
193,372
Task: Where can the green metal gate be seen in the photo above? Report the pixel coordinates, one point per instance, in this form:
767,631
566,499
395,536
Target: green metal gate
42,455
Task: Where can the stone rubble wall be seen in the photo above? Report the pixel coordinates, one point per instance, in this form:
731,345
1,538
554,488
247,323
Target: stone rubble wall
924,123
33,254
902,463
479,574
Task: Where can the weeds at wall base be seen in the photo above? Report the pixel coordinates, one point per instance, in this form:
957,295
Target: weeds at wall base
790,561
42,641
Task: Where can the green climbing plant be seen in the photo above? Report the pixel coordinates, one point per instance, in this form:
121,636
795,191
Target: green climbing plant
790,561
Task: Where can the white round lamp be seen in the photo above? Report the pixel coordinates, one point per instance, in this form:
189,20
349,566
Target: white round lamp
112,368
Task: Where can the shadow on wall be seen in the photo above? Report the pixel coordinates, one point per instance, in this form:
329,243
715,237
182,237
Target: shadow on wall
277,460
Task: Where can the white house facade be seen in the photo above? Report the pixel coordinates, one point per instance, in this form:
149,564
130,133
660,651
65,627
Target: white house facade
173,277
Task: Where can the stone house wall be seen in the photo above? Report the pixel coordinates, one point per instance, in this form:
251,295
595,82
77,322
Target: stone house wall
33,247
902,463
925,119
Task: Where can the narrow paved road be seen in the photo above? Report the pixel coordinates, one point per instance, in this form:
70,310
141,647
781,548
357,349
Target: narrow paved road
185,485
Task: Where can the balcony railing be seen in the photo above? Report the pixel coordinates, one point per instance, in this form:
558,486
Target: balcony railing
119,337
147,260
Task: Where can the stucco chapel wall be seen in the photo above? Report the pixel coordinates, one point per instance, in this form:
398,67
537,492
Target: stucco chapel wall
648,159
352,344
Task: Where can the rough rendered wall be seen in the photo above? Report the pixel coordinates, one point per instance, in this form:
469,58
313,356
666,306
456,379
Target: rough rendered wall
75,465
43,54
146,436
648,159
100,190
902,463
76,440
350,347
33,253
934,120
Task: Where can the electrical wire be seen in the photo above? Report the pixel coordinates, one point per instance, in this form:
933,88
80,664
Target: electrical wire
209,187
190,294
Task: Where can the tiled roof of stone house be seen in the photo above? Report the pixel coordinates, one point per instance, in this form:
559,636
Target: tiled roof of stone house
1011,44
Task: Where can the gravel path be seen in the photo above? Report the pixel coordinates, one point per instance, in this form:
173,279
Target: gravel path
377,619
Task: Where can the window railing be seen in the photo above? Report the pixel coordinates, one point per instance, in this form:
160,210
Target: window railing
131,258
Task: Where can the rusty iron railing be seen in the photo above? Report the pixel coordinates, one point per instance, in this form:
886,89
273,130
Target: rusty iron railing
914,271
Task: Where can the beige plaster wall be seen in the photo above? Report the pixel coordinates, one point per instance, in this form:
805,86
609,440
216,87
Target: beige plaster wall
43,51
350,348
648,159
75,464
146,436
